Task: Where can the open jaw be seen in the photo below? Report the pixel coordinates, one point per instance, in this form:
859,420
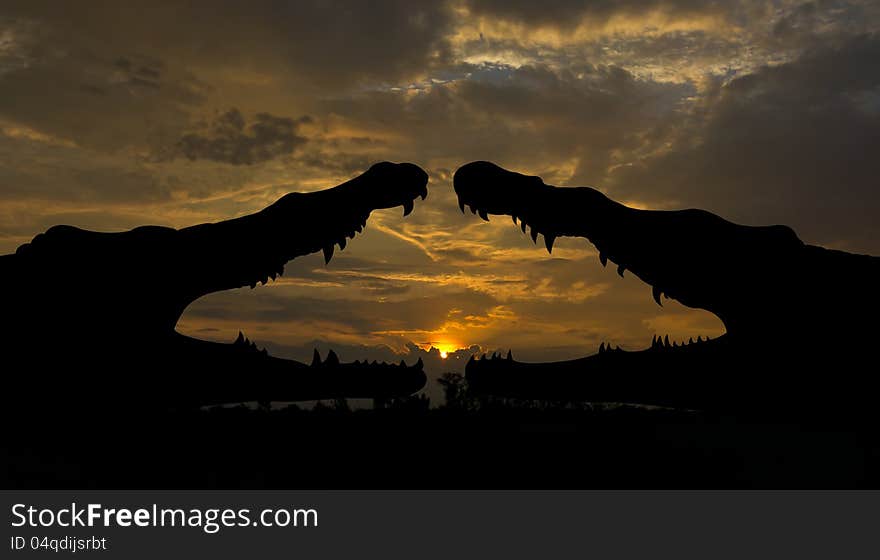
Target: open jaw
742,274
299,224
693,256
120,337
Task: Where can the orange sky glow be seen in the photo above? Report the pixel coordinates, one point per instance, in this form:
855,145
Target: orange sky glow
748,109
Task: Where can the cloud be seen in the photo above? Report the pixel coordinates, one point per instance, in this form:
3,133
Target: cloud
309,42
95,100
229,139
785,144
535,118
572,13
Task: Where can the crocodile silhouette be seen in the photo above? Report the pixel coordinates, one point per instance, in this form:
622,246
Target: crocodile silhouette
800,320
89,318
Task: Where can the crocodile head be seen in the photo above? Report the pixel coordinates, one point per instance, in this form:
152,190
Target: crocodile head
109,302
693,256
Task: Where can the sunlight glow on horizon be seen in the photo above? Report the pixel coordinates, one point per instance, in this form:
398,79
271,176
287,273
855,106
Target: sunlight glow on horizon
444,348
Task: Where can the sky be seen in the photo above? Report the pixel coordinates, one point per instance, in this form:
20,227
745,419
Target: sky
114,115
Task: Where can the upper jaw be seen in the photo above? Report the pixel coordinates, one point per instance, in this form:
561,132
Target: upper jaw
489,189
386,185
553,212
253,249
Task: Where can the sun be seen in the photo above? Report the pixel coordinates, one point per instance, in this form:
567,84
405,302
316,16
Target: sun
443,348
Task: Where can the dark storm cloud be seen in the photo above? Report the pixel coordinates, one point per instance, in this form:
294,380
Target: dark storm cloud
808,24
94,101
570,13
533,114
586,111
336,162
108,77
317,42
230,139
30,171
788,144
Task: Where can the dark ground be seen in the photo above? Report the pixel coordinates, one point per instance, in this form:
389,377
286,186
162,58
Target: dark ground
466,444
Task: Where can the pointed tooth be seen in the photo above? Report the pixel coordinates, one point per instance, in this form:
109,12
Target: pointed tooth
473,209
402,363
342,243
509,356
461,204
328,253
534,235
514,219
620,270
603,258
408,207
655,291
549,238
420,364
484,215
240,339
424,192
332,358
522,225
